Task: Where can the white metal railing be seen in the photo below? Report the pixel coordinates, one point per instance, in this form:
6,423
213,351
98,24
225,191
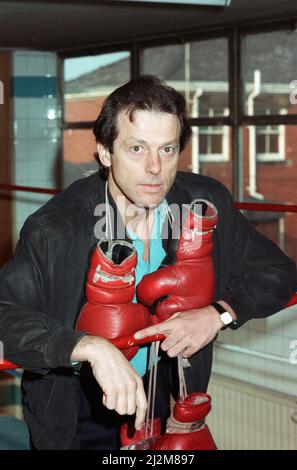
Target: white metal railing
251,352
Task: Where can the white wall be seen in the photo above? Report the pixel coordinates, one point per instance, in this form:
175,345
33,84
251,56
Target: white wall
273,335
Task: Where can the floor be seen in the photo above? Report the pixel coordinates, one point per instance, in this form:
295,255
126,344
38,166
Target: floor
13,434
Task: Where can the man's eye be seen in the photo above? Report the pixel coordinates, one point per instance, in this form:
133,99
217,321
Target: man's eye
136,148
169,150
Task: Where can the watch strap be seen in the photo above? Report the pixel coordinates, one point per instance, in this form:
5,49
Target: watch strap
220,309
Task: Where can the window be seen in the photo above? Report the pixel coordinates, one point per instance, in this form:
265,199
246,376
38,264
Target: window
270,140
270,143
213,140
269,65
198,69
87,82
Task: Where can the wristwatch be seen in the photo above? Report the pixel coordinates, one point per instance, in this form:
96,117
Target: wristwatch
226,317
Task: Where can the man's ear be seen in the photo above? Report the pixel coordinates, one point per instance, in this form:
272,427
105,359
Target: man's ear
104,155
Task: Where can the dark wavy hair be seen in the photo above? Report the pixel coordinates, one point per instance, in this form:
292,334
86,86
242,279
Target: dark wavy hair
146,93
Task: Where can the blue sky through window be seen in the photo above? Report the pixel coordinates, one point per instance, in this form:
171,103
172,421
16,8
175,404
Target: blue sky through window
74,68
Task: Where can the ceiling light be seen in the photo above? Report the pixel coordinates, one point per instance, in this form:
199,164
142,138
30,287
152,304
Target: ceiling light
215,3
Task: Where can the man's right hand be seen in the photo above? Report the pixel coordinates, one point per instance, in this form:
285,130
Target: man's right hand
121,385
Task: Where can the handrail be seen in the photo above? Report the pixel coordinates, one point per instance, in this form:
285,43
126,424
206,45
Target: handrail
250,206
250,352
28,189
125,342
257,206
128,341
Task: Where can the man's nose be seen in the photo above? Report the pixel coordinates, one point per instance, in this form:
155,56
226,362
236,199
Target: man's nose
153,163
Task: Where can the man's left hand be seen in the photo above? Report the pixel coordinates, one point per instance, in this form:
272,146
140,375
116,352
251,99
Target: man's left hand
186,332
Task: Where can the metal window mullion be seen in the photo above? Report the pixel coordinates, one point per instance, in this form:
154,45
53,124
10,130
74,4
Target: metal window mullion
61,101
135,60
272,119
77,125
210,121
235,105
96,49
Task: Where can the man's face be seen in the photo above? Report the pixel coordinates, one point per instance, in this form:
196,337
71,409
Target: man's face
145,157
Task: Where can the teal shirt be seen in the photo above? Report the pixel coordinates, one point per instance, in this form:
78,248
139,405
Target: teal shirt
156,256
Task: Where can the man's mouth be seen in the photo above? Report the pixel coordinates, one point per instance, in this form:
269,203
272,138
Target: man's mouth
151,188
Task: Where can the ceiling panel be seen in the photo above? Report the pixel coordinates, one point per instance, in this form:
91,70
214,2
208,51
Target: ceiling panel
69,25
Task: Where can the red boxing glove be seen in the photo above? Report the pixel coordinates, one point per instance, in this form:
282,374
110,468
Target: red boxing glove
130,436
186,428
6,365
190,282
109,311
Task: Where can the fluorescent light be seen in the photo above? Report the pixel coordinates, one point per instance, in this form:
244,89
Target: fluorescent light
214,3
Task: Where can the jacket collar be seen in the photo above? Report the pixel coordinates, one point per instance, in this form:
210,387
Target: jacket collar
176,196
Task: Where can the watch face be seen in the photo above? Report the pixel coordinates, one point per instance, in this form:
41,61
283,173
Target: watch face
226,318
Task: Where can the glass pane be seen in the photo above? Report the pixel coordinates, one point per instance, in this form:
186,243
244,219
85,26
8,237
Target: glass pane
269,142
216,144
205,154
209,77
270,71
167,63
261,143
274,144
188,68
88,80
270,174
79,147
203,144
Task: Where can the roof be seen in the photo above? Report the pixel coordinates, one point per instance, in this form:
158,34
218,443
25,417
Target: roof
276,60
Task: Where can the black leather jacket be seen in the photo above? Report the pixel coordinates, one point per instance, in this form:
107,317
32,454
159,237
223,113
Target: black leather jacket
41,292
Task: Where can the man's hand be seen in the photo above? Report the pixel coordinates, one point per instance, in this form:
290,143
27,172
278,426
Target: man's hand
121,385
187,332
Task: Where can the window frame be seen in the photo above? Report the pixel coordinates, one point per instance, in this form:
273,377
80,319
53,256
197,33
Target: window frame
274,156
237,119
279,156
217,157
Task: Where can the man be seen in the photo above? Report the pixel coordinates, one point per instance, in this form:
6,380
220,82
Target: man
140,133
